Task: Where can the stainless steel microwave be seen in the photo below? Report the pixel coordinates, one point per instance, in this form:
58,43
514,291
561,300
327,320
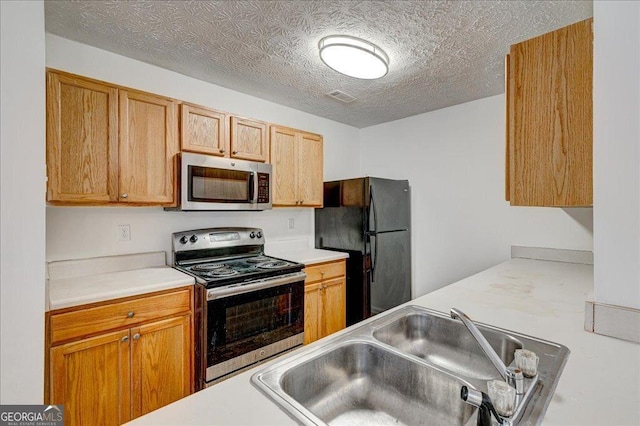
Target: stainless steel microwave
215,183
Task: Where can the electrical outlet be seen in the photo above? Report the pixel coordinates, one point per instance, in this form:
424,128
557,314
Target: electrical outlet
291,223
124,233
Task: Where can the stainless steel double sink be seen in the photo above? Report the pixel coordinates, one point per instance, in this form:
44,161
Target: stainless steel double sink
407,367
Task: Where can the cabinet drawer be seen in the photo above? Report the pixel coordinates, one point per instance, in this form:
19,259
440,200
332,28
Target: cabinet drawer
325,271
90,320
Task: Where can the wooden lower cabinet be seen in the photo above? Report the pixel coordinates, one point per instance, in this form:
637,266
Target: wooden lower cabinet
324,300
160,360
114,376
91,378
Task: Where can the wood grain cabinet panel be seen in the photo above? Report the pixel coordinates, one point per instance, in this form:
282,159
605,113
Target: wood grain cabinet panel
312,301
129,366
91,378
82,140
108,145
285,166
203,130
161,360
249,139
550,118
333,306
148,144
325,300
297,160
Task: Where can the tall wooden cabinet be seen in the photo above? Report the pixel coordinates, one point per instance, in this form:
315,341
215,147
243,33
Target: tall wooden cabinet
296,157
107,144
114,361
324,300
550,119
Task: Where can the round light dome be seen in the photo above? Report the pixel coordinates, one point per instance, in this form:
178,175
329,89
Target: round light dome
354,57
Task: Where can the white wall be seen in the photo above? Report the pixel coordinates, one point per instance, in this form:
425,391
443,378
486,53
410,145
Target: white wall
22,212
454,160
87,232
616,128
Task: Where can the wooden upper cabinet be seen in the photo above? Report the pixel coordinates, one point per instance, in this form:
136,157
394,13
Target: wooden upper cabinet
203,130
148,144
310,170
550,118
107,144
296,157
82,140
285,166
249,139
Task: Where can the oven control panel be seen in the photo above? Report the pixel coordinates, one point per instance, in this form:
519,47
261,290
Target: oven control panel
216,238
263,188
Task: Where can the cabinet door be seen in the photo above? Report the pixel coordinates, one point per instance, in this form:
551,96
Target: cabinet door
203,130
161,359
333,306
285,167
82,140
310,170
249,139
91,378
148,143
552,118
311,312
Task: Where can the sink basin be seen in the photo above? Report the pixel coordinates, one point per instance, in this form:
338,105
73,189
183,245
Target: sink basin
446,342
363,383
405,367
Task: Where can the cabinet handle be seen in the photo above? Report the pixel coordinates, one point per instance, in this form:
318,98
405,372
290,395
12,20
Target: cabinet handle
130,314
124,195
125,338
322,273
301,202
136,336
235,152
222,151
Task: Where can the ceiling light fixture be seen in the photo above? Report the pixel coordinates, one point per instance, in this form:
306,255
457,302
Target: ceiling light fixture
354,57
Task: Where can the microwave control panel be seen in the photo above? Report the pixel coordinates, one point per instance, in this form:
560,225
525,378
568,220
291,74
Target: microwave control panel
263,188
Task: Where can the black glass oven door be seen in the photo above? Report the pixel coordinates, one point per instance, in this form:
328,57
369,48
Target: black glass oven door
242,323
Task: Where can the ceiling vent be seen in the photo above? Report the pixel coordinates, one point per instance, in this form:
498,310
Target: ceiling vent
341,96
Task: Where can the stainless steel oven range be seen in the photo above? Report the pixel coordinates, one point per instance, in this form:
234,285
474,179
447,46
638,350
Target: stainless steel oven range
249,306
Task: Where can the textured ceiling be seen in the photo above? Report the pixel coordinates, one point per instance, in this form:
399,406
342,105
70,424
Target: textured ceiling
441,53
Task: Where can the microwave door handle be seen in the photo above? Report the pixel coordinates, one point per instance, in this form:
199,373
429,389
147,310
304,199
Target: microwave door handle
252,187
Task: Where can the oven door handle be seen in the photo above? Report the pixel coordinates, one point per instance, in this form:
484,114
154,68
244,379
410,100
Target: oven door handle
241,288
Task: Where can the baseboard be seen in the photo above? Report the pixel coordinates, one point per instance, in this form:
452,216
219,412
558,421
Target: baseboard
610,320
555,255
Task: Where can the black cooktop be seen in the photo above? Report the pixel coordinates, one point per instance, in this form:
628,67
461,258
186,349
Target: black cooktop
217,273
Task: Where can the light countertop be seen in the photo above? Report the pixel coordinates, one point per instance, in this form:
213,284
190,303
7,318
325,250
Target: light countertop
310,256
302,251
78,282
600,384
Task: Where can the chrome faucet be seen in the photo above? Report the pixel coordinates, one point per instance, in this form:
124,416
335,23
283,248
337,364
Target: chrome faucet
513,376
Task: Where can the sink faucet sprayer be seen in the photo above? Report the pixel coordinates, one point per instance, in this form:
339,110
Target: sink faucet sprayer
513,376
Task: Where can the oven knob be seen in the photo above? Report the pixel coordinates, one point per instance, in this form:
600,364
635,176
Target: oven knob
184,239
252,234
193,239
259,234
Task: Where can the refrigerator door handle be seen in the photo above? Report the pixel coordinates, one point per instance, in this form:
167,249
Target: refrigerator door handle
373,233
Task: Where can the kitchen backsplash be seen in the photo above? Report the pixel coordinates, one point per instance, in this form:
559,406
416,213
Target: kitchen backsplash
81,232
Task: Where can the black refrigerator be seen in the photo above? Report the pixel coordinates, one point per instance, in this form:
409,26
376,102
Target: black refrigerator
369,218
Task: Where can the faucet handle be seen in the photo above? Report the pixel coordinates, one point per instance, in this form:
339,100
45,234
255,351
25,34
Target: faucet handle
515,379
